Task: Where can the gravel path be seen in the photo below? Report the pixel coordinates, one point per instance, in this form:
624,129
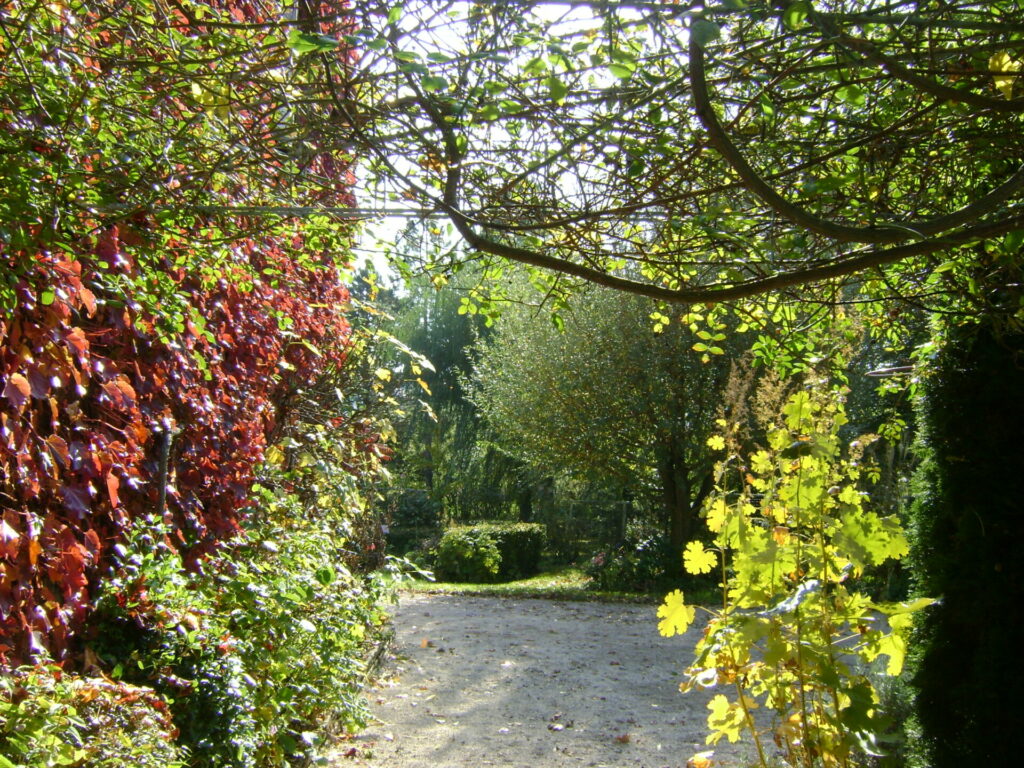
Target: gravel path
481,682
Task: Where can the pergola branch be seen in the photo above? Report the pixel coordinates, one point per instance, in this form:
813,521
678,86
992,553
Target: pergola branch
886,232
924,84
841,266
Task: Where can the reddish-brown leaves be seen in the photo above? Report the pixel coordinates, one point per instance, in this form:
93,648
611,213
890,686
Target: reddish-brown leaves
86,386
17,391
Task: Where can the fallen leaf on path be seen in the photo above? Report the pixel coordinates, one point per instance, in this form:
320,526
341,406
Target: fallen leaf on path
624,738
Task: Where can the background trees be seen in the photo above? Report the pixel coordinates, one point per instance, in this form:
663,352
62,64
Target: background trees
606,399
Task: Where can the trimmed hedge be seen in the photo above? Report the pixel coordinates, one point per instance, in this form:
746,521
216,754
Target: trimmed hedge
968,526
490,552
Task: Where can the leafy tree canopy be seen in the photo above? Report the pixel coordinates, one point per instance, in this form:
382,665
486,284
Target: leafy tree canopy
607,400
697,153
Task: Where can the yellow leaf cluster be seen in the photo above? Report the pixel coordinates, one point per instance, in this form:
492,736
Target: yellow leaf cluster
726,719
676,616
698,560
716,513
1007,67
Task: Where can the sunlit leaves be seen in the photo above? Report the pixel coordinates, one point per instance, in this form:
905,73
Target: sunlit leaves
305,42
623,64
1007,67
556,88
432,83
892,645
794,527
727,719
675,615
795,15
868,539
698,560
705,32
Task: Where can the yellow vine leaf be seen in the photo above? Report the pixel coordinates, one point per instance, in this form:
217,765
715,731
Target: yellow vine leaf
725,720
716,443
895,647
716,515
675,614
698,560
776,512
761,462
1001,62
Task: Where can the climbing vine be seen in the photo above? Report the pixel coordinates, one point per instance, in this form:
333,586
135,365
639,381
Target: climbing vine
791,529
151,329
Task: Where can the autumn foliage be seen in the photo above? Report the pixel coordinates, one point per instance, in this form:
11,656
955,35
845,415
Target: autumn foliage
141,348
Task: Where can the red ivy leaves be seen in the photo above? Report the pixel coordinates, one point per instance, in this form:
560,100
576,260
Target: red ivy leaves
84,394
86,384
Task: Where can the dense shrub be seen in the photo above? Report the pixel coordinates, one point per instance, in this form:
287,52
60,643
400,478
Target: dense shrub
490,551
50,718
467,554
966,532
260,655
520,545
302,623
155,625
647,565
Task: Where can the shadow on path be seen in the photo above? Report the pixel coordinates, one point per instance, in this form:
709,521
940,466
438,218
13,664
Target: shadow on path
481,681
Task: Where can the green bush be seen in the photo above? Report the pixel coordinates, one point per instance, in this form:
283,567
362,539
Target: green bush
157,626
467,554
490,552
648,565
263,654
521,546
967,526
302,623
50,718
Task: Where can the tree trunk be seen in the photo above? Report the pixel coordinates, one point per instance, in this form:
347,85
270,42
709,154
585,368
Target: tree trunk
524,501
968,529
675,496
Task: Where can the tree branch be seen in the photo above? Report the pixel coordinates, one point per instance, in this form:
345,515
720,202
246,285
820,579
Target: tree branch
839,267
887,232
925,84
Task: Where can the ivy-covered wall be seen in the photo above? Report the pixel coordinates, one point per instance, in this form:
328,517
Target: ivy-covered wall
135,303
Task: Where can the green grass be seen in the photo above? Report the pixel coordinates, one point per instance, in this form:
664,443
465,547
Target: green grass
561,582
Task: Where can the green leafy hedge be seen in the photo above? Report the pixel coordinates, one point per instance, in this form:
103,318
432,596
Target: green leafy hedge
636,566
50,718
490,551
967,527
262,656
